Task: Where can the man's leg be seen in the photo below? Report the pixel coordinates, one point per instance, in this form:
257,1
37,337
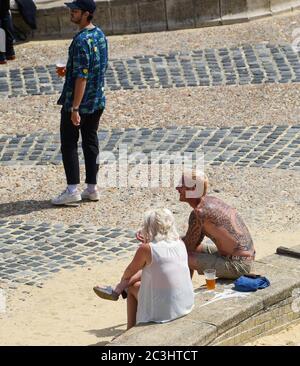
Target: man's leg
225,268
69,135
90,145
6,24
10,52
3,43
206,256
193,256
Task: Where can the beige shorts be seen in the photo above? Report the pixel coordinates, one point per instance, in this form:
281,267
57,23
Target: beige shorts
225,267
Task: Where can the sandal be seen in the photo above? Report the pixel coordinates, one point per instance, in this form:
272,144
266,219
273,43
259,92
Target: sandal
106,292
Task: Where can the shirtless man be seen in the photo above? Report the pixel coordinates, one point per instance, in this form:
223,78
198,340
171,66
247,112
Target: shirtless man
232,253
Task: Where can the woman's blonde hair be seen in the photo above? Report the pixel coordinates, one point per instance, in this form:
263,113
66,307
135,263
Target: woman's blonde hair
159,225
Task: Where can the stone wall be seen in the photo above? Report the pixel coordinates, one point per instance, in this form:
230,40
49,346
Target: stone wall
270,320
135,16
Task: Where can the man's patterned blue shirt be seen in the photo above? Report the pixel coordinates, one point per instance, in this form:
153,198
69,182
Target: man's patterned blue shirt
88,57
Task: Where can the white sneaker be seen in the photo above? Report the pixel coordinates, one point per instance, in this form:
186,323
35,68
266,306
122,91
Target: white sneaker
87,195
66,198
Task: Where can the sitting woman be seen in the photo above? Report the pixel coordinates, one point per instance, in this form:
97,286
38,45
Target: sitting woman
157,281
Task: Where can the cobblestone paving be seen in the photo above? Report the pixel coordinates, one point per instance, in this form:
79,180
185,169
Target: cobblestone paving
257,146
30,252
257,64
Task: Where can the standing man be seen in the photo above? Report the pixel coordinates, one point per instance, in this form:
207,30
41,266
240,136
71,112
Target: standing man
83,102
6,25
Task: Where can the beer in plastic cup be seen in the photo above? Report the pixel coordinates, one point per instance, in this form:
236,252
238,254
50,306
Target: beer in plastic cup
60,68
210,278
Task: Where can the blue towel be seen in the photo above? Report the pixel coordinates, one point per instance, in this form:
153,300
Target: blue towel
245,284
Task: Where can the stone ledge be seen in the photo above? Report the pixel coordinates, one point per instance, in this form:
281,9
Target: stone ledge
136,16
231,321
274,318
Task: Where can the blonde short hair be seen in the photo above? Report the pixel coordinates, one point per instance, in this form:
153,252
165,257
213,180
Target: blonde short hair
159,225
196,177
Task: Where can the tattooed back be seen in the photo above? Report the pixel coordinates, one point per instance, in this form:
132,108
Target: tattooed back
223,225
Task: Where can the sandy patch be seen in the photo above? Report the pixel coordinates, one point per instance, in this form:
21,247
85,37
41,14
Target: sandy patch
65,311
287,337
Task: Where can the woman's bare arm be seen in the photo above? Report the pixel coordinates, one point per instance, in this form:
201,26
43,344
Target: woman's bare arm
141,258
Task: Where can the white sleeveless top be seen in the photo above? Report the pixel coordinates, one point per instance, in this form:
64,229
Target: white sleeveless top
166,290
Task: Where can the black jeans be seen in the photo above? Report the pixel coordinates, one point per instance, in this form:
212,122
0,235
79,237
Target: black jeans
69,135
6,24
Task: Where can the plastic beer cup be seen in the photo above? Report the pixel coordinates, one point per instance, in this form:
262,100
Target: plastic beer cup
60,68
210,277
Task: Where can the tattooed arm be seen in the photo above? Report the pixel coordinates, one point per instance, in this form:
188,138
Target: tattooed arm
194,234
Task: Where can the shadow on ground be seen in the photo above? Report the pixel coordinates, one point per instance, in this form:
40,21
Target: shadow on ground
25,207
107,332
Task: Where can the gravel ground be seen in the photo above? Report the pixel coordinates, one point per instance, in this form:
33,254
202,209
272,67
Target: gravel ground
25,194
204,106
277,29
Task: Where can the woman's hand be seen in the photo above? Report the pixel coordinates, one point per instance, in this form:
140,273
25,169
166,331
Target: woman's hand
139,236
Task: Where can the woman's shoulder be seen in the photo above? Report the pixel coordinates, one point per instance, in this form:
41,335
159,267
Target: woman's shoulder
144,250
168,242
145,247
164,245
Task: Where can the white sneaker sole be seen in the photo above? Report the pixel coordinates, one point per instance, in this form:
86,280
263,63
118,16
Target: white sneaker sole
71,203
88,199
